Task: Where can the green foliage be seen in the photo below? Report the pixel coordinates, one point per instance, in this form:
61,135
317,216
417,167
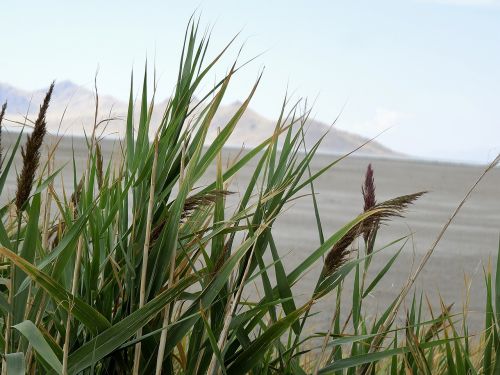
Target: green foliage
70,302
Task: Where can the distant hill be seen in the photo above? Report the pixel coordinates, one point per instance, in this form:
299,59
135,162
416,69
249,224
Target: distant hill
77,104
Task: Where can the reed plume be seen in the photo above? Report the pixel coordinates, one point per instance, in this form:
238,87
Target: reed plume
339,253
76,195
31,154
2,113
378,213
368,190
195,202
396,206
99,171
439,324
191,205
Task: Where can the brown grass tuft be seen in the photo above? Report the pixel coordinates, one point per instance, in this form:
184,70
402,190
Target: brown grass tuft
31,154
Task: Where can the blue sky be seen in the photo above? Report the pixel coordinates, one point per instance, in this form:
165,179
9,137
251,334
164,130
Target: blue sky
428,69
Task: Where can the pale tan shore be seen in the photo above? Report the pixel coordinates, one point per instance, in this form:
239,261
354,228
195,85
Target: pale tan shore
466,247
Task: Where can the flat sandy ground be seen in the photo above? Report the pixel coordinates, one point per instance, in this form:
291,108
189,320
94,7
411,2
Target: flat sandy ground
465,249
467,246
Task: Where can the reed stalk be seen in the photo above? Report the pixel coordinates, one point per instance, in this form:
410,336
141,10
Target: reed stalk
145,251
166,312
74,290
31,159
2,114
232,306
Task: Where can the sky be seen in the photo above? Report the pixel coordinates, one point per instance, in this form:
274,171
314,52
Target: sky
427,70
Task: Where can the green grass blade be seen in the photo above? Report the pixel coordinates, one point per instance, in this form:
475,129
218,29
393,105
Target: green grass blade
6,167
94,321
382,272
28,253
113,337
15,364
251,356
36,339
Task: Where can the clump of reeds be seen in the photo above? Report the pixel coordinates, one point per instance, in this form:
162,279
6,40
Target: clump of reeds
190,293
31,154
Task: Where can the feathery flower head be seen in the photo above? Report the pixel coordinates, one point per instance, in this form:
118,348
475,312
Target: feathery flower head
378,213
31,154
2,113
368,190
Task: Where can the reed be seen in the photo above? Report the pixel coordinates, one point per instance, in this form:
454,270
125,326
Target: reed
146,268
2,114
368,191
31,154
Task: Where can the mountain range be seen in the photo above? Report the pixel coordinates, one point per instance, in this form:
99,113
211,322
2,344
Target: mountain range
75,104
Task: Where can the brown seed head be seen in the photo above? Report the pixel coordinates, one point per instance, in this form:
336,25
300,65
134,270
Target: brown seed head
99,165
2,113
31,154
337,256
75,197
396,206
378,213
191,204
439,324
368,190
197,201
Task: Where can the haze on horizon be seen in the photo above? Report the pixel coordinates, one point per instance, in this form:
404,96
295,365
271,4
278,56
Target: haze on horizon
426,69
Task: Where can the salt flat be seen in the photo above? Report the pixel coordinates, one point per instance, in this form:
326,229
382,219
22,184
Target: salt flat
466,247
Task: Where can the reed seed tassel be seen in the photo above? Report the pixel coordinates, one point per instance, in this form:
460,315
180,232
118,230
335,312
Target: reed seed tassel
368,190
74,290
2,113
145,255
31,154
99,171
337,256
378,213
